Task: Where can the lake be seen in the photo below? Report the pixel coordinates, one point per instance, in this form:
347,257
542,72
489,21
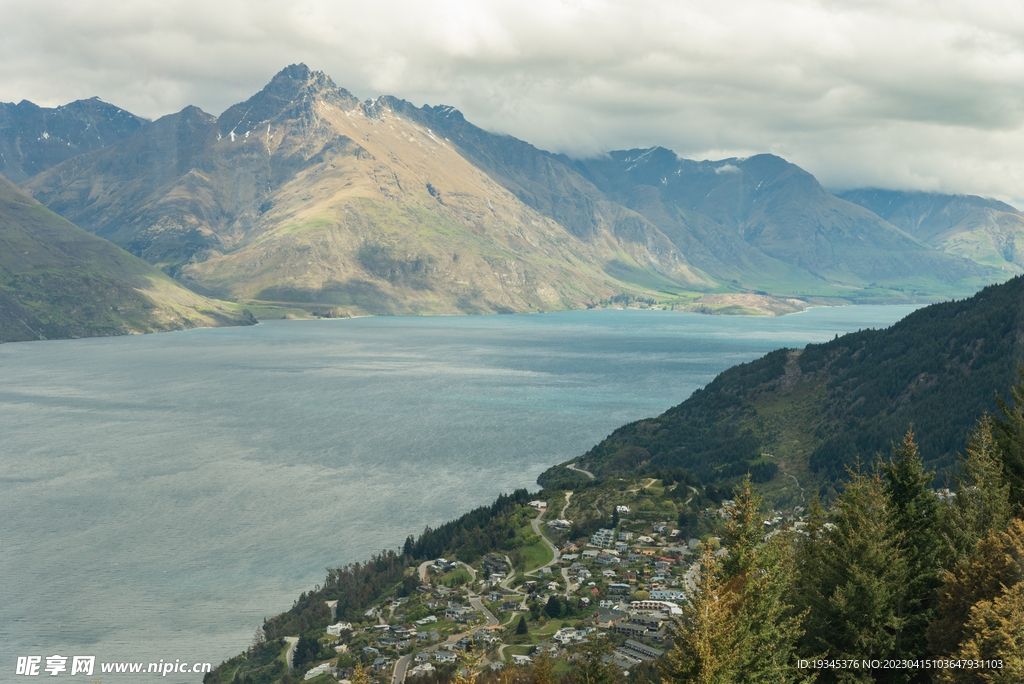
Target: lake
162,494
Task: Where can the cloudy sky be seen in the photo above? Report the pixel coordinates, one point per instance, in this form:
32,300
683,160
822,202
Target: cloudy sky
899,94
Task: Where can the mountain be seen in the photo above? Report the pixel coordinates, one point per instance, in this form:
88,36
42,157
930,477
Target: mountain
805,416
305,195
34,139
764,215
58,281
759,223
987,231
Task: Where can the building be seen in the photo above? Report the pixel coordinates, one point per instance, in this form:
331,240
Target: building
603,538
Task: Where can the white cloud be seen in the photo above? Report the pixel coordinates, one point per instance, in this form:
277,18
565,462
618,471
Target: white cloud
903,94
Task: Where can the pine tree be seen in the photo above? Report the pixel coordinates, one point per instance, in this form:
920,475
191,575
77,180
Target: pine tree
705,638
1010,439
914,515
996,630
521,628
851,570
590,667
543,670
996,564
762,575
981,501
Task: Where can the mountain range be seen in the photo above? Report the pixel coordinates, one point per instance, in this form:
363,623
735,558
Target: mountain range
305,196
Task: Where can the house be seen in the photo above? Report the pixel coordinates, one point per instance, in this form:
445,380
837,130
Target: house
381,664
495,565
521,660
634,649
618,588
622,509
320,669
426,620
423,657
445,657
421,669
337,629
539,505
664,607
602,538
606,617
509,606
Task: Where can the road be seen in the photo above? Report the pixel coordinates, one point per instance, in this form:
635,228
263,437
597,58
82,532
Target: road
401,667
572,466
292,641
478,604
535,523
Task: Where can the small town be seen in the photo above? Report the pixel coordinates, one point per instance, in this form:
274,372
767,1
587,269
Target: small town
620,587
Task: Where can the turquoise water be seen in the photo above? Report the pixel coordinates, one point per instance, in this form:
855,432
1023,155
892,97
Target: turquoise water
162,494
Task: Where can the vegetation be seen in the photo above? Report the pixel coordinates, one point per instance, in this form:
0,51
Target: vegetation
812,413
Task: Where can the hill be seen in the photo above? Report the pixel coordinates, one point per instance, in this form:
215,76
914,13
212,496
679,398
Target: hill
804,416
58,281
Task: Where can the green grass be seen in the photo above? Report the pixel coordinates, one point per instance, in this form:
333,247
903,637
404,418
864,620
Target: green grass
536,555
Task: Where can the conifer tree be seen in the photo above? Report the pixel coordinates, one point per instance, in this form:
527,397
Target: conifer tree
914,517
996,565
849,579
761,574
1009,434
590,667
981,500
996,633
543,670
705,638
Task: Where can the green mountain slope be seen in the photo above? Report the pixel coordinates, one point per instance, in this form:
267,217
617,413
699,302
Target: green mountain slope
809,414
58,281
987,231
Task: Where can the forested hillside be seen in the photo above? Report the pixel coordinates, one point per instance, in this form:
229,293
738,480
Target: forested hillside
816,411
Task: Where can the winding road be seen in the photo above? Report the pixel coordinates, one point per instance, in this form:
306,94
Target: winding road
572,466
292,642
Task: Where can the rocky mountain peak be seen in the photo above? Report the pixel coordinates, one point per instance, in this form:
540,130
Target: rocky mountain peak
291,92
34,138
